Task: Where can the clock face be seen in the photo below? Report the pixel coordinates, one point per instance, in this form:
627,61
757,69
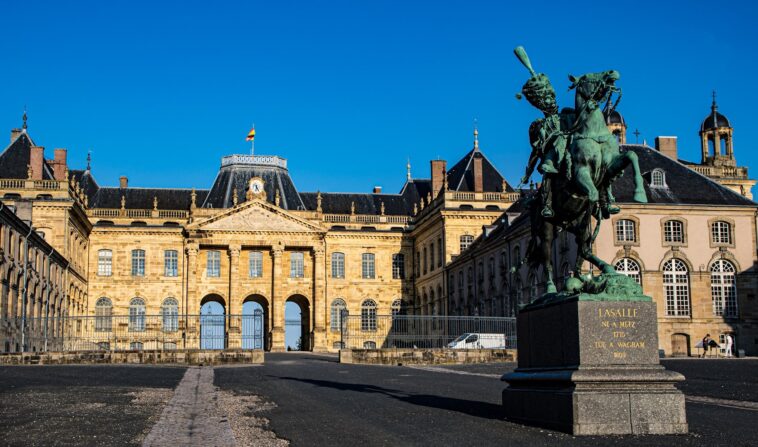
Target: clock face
256,186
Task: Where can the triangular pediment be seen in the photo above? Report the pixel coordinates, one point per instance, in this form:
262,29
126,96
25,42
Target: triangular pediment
256,216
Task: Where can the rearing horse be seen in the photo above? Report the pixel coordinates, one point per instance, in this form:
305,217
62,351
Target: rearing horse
595,163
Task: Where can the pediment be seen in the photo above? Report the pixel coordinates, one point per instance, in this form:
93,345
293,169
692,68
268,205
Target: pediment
256,216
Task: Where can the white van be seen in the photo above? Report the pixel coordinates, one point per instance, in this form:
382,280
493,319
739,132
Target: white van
478,341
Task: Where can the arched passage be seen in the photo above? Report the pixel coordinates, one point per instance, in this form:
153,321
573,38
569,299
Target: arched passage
297,323
255,323
212,322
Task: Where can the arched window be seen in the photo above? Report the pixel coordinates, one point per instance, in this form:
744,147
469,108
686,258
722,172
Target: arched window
676,287
395,307
723,288
368,315
658,179
338,306
369,344
170,312
137,315
103,315
721,232
625,231
673,231
104,263
338,265
630,268
466,241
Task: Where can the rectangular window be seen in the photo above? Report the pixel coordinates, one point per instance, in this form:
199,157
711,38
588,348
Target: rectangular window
721,233
138,262
625,231
398,266
441,254
338,265
171,263
466,241
104,263
431,257
367,266
297,264
256,264
673,231
214,264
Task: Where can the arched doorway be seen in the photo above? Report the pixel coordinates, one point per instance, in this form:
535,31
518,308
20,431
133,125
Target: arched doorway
680,345
212,322
255,323
297,324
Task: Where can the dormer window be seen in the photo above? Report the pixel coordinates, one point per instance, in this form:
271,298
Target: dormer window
658,178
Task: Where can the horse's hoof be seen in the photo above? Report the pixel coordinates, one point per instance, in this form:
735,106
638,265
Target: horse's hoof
640,196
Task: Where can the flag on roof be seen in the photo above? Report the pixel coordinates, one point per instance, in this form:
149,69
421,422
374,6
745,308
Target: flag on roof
251,135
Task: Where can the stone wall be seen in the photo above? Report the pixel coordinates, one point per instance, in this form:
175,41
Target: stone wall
425,356
188,357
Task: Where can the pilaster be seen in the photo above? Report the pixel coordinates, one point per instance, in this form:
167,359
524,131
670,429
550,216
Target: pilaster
319,299
277,301
235,303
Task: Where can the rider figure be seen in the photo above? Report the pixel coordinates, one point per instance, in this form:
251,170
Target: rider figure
547,141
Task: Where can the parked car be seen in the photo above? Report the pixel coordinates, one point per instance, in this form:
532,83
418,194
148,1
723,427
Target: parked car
478,341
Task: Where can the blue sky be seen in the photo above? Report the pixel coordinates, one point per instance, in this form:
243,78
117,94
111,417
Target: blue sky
159,91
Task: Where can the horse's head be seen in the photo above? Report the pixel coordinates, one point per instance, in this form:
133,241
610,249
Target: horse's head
594,86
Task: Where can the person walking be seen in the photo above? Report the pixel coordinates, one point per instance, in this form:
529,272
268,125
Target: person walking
729,341
706,344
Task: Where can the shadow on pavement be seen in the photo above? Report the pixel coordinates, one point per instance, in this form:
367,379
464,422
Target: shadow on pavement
470,407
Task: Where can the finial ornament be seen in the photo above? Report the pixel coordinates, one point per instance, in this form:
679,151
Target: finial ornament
714,106
234,197
23,118
408,167
29,172
193,203
155,203
415,209
276,198
89,159
382,209
476,136
318,202
123,202
352,208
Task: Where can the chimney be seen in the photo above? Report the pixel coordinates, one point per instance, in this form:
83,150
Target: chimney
478,177
438,175
123,182
666,146
15,133
377,189
59,164
36,158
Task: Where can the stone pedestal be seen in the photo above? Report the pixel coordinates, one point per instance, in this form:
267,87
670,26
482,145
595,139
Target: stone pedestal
591,367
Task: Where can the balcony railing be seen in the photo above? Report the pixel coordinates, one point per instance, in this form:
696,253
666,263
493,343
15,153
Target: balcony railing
265,160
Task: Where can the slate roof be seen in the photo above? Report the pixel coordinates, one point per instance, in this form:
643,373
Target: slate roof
461,176
142,198
14,160
237,176
684,186
340,203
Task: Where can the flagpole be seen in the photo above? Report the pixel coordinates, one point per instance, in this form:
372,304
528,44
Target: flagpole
252,143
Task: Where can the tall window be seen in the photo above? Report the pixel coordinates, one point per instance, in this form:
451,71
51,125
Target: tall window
630,268
103,315
337,307
214,264
171,263
519,292
396,304
338,265
297,264
368,315
676,285
424,260
137,315
104,263
440,252
367,266
431,257
170,313
398,266
466,241
723,289
256,265
721,232
625,231
673,231
138,262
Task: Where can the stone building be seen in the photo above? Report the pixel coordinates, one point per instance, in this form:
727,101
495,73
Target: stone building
250,242
692,248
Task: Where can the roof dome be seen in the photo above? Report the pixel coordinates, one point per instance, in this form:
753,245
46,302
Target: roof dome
615,118
714,119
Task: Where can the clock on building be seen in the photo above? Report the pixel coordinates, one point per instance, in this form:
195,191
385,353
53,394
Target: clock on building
255,188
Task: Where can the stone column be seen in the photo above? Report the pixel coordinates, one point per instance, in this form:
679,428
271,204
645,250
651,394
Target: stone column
234,320
277,301
193,301
318,336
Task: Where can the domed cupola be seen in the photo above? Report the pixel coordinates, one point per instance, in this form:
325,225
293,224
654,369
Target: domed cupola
616,126
716,138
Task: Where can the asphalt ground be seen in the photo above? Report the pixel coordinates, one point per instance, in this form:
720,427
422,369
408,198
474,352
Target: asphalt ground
82,405
321,402
311,399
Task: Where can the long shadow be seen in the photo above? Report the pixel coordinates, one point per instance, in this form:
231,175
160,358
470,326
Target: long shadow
465,406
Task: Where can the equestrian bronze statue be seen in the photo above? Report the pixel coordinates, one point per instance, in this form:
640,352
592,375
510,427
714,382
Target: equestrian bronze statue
579,160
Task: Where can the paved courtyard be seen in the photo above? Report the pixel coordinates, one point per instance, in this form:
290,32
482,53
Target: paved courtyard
310,399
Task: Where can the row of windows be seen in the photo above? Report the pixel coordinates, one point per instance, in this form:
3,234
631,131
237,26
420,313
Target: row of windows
104,315
255,270
673,231
368,313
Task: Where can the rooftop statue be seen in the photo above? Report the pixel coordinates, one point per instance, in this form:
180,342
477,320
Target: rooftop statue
579,160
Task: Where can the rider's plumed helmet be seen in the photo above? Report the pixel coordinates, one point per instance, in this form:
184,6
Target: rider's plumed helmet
540,93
